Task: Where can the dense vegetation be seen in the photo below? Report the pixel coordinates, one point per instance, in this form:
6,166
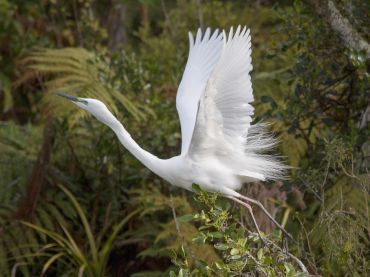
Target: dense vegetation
74,202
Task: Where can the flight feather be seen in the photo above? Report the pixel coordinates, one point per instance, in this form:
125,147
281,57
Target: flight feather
204,53
223,129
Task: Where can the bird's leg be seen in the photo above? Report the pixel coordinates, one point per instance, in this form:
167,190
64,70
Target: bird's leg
259,204
249,208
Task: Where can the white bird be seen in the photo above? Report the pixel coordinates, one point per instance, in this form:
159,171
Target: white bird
221,150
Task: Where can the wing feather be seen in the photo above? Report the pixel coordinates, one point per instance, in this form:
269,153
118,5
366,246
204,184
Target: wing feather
223,128
204,54
232,93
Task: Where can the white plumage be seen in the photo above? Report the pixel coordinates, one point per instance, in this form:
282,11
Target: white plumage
225,114
220,148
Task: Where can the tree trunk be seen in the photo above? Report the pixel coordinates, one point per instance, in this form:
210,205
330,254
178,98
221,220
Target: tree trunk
115,25
28,204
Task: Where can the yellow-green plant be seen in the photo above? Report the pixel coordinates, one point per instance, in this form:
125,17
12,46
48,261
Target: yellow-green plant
76,71
240,250
64,247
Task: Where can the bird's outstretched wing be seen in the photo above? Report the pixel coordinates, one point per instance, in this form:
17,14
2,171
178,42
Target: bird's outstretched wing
223,129
204,53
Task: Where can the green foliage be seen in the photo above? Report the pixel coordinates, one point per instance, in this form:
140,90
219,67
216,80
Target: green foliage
162,226
130,54
18,147
344,203
76,71
241,251
64,247
332,90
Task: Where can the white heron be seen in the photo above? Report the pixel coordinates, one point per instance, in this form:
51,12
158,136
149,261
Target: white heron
221,150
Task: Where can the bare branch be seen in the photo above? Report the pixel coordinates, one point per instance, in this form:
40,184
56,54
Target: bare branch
175,218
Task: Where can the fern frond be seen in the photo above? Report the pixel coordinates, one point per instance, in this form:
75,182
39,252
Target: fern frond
78,72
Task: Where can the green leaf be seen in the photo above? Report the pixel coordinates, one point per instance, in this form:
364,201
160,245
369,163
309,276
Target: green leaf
216,235
62,242
183,273
75,250
202,264
50,261
196,188
219,265
202,228
85,223
172,254
181,251
221,246
200,239
107,247
290,272
185,218
260,254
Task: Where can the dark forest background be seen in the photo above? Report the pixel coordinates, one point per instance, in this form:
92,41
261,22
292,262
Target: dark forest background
74,202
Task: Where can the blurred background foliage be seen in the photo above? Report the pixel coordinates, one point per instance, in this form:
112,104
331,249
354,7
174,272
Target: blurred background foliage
310,82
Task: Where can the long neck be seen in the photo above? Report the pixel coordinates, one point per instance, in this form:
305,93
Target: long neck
149,160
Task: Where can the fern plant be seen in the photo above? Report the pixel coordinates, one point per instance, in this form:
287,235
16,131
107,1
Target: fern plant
76,71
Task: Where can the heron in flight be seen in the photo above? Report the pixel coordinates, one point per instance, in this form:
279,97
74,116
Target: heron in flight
221,150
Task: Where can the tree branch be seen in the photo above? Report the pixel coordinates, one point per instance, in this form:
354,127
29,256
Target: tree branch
327,10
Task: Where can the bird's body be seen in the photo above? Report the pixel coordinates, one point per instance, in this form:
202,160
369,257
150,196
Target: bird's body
220,148
182,171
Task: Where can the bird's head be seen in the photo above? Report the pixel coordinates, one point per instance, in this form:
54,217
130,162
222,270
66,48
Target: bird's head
93,106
